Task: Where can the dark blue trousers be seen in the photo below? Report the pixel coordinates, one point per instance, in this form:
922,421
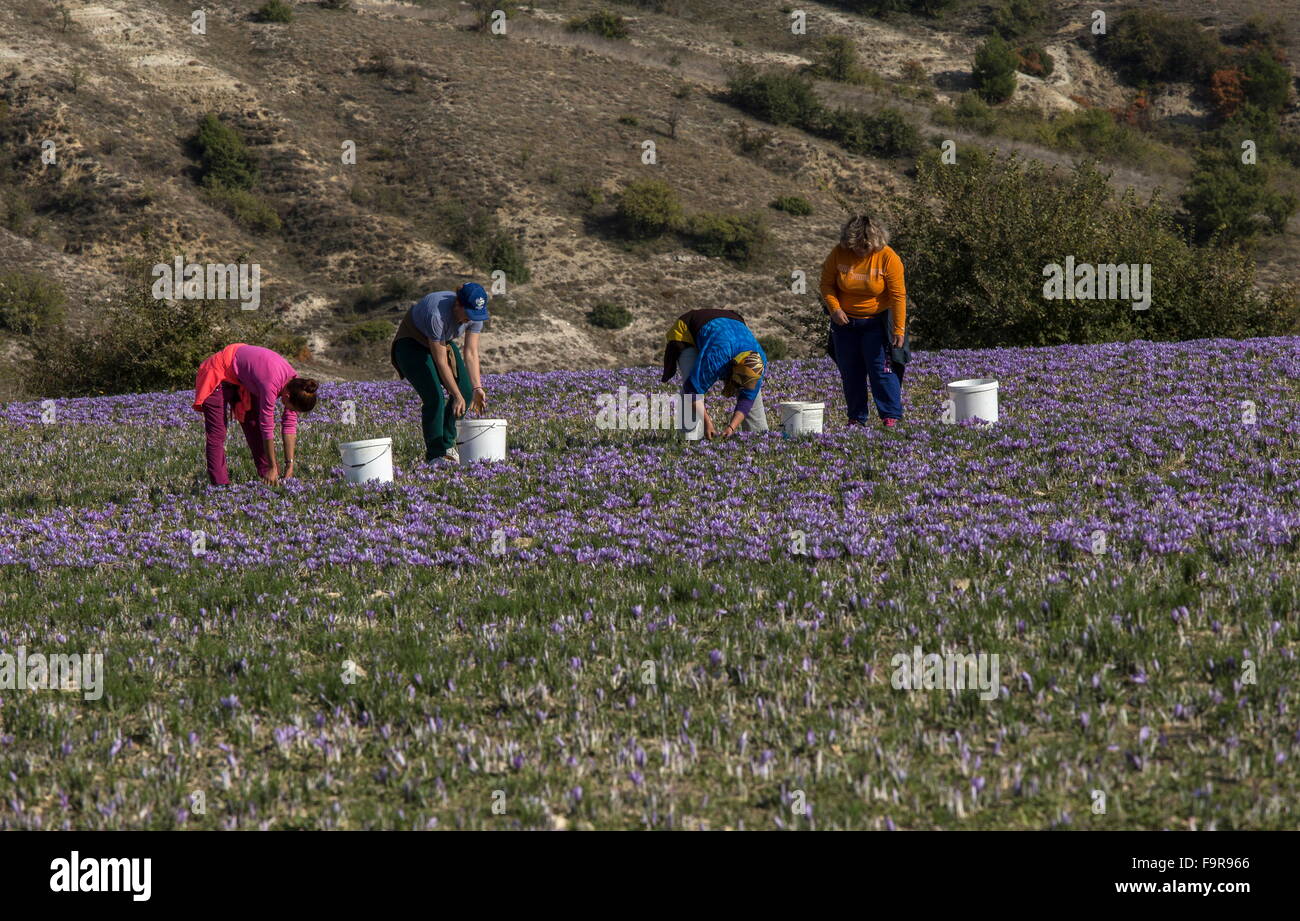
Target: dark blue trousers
861,353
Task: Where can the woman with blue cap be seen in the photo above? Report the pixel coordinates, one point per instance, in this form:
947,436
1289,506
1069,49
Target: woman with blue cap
707,346
425,353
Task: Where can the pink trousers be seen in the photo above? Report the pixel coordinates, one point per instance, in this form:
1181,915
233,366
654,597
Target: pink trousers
214,424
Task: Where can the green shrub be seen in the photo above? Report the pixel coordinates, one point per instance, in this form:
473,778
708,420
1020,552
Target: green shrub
245,207
1268,81
1091,131
887,133
779,96
609,316
1145,46
401,288
604,23
223,157
741,238
139,344
274,11
1231,202
475,233
971,113
995,70
649,208
792,204
336,4
1017,18
977,235
774,347
1034,60
836,58
30,303
368,332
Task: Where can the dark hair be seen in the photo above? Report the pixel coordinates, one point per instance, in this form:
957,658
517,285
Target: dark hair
302,394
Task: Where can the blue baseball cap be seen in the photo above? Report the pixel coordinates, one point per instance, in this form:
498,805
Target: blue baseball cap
474,299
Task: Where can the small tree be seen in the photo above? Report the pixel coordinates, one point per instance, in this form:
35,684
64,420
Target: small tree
995,70
224,158
837,59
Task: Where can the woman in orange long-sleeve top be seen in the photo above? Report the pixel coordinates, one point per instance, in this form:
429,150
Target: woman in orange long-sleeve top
862,285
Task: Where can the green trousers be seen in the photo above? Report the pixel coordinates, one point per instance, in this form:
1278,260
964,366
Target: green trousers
437,420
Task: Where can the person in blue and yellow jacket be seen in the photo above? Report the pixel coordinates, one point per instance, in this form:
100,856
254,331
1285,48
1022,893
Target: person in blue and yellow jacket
706,346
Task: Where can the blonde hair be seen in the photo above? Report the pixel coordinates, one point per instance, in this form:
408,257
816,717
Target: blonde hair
864,235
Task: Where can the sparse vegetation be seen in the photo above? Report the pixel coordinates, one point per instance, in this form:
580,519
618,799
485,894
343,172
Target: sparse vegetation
369,331
792,204
246,207
604,23
609,316
274,11
30,303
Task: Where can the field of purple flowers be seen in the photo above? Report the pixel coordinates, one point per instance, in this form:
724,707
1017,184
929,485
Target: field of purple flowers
675,636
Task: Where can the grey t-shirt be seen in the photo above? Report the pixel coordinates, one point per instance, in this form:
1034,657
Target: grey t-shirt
434,318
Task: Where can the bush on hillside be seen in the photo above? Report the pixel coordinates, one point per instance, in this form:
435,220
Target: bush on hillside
1018,18
274,11
475,232
140,344
30,303
978,234
1267,81
649,208
1034,60
245,207
994,70
603,23
887,133
781,97
792,204
368,332
223,157
836,58
609,316
1231,202
741,238
1147,46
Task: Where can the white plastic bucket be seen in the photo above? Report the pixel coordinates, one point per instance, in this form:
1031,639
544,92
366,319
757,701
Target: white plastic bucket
801,418
368,460
481,440
975,398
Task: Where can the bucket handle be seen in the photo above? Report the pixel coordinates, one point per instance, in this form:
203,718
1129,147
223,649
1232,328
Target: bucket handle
483,431
387,447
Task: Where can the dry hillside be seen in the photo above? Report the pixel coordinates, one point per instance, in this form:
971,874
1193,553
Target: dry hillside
541,126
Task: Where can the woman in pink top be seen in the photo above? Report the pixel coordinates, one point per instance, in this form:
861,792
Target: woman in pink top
246,380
